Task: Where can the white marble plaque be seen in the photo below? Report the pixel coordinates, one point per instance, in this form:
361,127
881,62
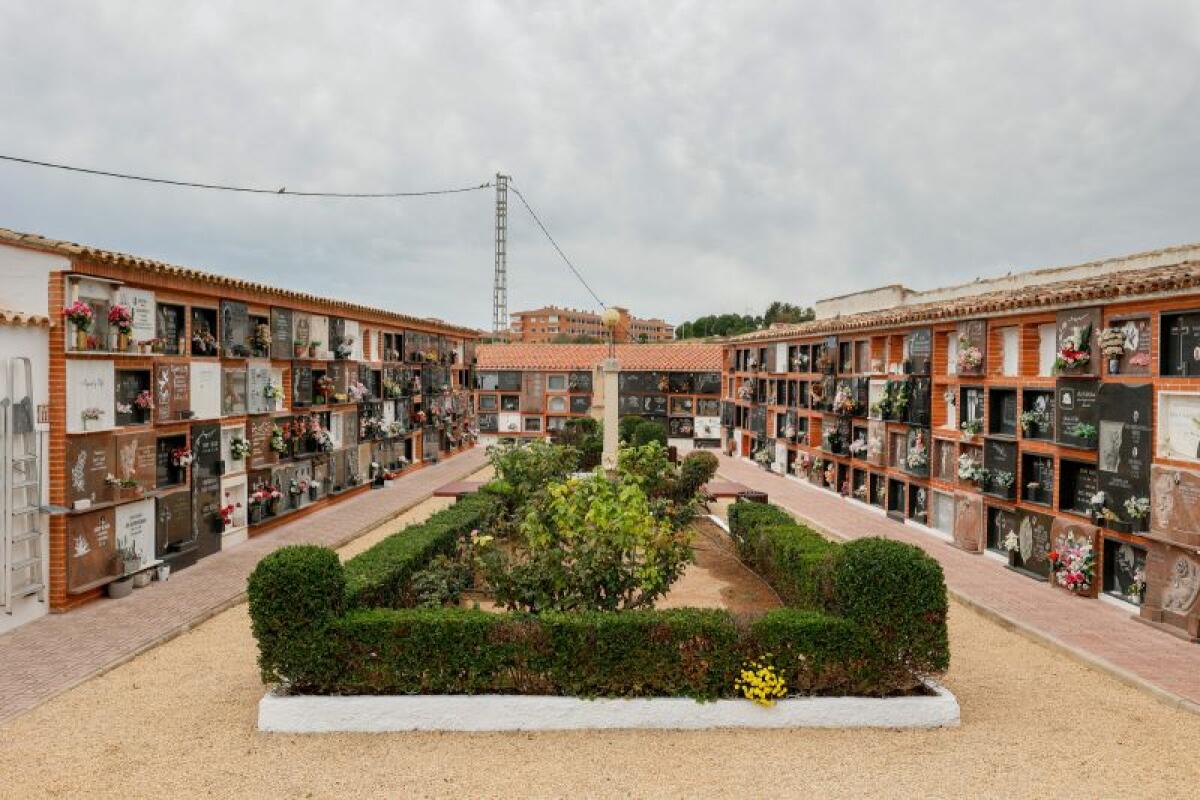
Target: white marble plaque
708,427
206,390
90,388
1179,426
141,305
135,526
352,331
319,327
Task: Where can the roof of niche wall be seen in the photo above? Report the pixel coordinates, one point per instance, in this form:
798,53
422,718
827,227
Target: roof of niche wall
160,268
1099,289
681,357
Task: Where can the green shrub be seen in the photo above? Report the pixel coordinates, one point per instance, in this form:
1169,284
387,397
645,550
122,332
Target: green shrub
626,426
382,575
441,582
296,594
589,543
897,593
818,653
679,652
523,470
586,436
697,469
794,559
649,431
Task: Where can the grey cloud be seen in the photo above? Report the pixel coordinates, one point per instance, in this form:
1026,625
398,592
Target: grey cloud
690,157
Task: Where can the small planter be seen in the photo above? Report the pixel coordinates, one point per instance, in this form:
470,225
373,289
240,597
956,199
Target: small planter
162,572
312,351
1114,366
312,493
1118,525
142,579
1140,525
132,565
299,350
122,587
218,525
256,514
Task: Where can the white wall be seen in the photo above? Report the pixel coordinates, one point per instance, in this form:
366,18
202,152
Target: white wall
24,275
31,342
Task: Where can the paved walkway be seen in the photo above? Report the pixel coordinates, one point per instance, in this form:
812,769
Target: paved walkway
1093,631
59,651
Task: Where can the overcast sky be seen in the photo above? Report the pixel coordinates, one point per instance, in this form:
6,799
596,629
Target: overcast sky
691,158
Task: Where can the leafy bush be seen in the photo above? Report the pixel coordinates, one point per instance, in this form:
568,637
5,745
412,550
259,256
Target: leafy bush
590,543
525,469
649,431
897,593
382,575
586,436
626,426
697,469
893,592
296,594
442,582
647,465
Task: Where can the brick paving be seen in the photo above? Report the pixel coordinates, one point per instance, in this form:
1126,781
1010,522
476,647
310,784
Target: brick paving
1093,631
56,652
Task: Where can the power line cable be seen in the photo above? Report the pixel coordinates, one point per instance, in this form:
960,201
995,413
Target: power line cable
246,189
566,260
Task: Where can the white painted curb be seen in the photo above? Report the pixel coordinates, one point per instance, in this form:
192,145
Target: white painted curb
493,712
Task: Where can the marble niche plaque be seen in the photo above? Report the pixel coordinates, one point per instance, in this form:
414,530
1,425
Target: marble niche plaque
281,333
877,442
1175,506
1081,326
968,522
1173,589
1136,358
89,462
973,333
1179,426
258,380
235,328
172,391
91,550
206,390
920,350
90,387
233,391
1124,449
1033,540
135,457
140,303
1075,404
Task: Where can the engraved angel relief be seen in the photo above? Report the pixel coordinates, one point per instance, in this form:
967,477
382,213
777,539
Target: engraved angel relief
1183,585
77,473
127,459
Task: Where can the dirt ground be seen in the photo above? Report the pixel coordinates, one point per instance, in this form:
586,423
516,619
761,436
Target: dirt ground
179,721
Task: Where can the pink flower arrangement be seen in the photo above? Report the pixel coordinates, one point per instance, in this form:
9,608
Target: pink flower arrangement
144,400
79,314
1075,566
1075,350
121,318
182,457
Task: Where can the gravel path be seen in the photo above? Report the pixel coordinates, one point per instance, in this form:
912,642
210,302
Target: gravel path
179,721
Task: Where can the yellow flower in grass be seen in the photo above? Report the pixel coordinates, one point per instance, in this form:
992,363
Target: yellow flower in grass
760,683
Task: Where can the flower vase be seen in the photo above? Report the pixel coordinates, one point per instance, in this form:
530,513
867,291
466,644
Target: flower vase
81,340
299,350
1114,366
122,342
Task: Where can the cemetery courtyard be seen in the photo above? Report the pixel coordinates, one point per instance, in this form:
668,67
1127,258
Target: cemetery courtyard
180,720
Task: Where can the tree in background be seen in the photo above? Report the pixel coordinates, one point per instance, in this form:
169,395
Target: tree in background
734,324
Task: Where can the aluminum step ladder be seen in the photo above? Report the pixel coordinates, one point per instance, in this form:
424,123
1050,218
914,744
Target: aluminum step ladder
24,535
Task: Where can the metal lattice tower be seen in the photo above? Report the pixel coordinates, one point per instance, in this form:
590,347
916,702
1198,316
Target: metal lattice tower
500,281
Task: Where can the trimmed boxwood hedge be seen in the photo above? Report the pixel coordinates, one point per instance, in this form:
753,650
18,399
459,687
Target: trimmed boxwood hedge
381,575
864,618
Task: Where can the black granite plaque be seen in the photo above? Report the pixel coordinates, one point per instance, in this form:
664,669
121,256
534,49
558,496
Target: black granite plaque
281,333
1075,410
920,350
708,383
1033,543
1080,327
235,328
206,450
919,390
1125,447
302,385
128,384
172,522
169,326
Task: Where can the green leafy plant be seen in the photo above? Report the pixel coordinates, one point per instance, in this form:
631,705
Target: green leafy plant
626,426
591,544
586,436
441,582
524,470
1084,430
649,431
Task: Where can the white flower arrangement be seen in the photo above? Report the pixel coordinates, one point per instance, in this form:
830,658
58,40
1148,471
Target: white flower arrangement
1011,543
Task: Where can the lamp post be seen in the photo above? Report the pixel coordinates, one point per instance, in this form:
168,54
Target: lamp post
612,369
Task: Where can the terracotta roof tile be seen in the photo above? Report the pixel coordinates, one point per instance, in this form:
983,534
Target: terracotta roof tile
1115,286
684,357
71,249
8,317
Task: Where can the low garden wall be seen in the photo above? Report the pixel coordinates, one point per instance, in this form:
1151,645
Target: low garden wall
866,618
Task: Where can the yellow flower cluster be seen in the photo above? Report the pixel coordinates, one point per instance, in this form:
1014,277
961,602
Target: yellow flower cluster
759,682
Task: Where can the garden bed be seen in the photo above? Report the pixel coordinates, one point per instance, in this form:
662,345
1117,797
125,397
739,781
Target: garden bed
864,621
